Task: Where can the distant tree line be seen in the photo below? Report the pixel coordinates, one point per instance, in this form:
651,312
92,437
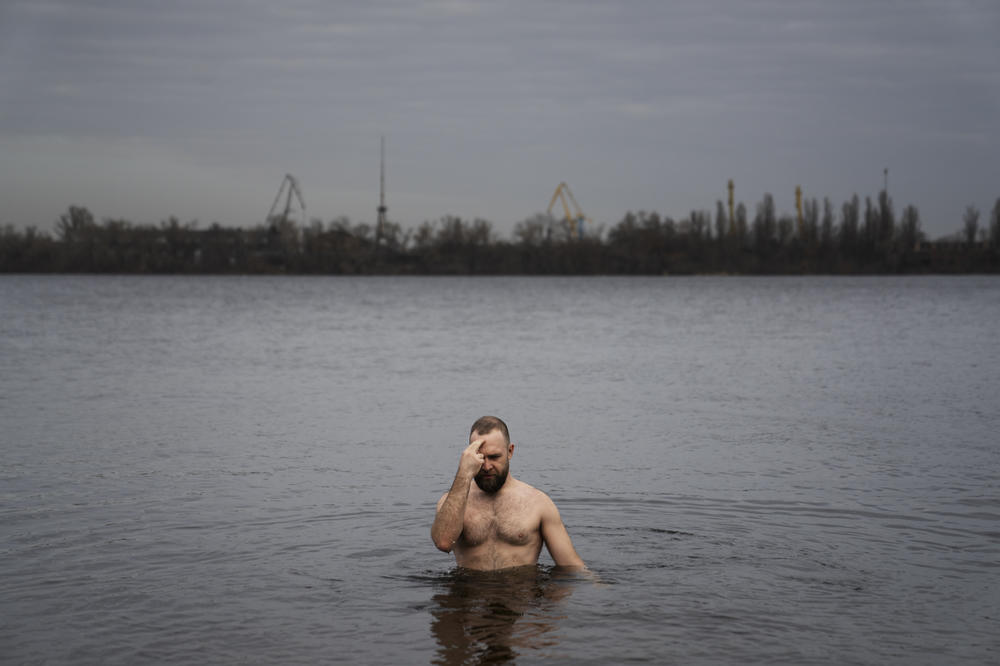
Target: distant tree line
860,237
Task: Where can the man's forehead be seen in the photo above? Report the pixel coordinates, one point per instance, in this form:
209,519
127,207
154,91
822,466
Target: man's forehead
493,448
493,438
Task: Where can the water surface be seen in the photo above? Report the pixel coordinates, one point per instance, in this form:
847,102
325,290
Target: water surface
778,470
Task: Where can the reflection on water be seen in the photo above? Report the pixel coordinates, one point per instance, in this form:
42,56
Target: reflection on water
492,617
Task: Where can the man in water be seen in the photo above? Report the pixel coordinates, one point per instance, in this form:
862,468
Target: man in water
492,520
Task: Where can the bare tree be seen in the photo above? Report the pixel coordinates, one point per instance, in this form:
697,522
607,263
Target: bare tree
810,221
971,224
870,229
850,213
786,228
74,223
532,231
700,228
826,226
764,223
909,228
721,221
995,224
741,222
886,218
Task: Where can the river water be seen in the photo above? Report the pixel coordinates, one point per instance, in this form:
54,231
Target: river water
756,470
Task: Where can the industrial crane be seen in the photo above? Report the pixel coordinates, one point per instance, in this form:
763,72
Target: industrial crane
574,223
290,187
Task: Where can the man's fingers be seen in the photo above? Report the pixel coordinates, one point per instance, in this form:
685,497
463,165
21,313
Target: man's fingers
473,449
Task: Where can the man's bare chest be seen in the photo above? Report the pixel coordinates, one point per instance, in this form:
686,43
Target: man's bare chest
509,521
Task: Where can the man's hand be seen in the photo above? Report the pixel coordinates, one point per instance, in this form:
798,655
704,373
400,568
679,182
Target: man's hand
450,518
472,460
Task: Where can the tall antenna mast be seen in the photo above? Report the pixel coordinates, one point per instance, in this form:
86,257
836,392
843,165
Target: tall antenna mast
379,226
381,190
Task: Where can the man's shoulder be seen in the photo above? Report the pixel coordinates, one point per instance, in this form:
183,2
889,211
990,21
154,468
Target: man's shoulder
531,493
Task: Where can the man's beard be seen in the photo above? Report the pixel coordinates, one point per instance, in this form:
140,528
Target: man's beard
491,484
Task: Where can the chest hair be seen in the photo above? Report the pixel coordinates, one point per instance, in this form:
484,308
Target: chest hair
509,519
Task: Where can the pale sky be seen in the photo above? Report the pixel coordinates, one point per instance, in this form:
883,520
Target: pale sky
198,108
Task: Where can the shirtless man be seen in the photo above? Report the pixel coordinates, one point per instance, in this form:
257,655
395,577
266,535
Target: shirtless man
492,520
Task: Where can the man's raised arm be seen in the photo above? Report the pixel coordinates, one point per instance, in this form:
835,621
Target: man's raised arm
450,518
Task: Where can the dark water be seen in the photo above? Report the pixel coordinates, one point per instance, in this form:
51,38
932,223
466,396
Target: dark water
775,470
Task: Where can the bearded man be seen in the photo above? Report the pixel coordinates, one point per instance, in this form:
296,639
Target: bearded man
490,519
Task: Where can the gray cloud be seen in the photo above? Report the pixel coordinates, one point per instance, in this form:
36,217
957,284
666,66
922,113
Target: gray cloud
197,109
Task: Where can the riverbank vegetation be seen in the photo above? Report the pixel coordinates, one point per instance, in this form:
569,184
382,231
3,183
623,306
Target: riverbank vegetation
858,237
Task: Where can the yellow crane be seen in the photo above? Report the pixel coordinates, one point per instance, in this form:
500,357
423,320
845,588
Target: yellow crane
574,223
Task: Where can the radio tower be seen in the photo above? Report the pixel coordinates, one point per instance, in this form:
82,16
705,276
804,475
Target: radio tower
379,226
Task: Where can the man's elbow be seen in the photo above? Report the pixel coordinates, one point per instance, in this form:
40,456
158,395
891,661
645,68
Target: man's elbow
442,541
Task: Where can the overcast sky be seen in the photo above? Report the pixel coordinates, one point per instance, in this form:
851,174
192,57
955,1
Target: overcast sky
198,108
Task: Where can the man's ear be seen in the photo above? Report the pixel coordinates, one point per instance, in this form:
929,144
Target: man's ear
510,450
